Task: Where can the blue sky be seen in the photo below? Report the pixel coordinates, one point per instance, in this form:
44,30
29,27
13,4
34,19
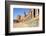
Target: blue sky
19,11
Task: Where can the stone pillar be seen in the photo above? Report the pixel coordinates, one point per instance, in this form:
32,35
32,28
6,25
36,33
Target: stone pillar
32,13
37,12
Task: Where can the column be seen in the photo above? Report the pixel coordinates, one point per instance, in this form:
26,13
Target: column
32,13
37,12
